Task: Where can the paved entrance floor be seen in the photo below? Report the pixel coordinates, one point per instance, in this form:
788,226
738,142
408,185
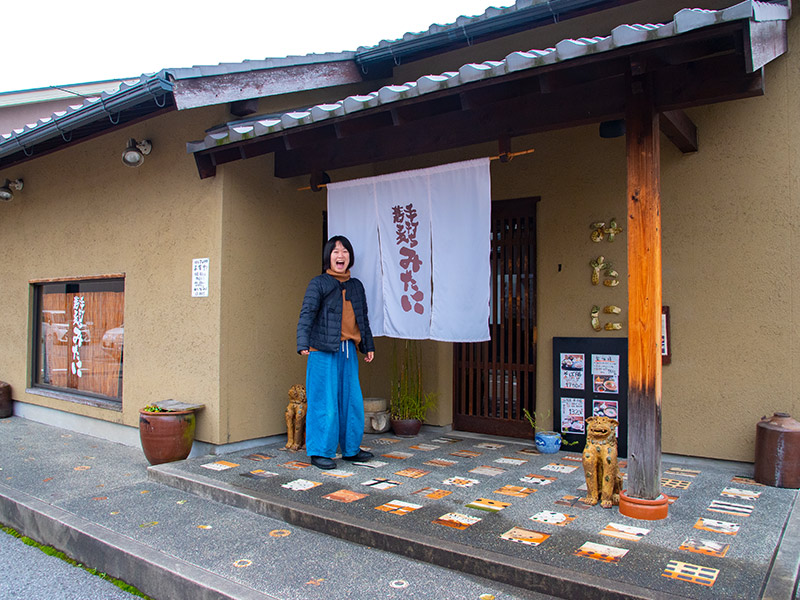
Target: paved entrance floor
252,524
496,508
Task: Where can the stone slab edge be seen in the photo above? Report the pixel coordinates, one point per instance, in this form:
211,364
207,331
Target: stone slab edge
155,573
784,573
528,575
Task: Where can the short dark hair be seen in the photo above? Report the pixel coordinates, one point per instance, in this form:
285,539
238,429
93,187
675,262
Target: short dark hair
328,250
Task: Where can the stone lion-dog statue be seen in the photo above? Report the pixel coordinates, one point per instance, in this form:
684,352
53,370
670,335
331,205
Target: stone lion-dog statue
603,481
296,418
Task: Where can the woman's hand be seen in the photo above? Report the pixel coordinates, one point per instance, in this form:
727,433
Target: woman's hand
368,358
304,352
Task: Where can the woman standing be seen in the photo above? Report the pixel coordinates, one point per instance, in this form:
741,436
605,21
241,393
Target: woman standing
333,323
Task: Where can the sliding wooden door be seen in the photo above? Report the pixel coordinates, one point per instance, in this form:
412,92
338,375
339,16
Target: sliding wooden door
495,380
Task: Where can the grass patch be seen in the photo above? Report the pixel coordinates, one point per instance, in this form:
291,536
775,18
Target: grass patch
50,551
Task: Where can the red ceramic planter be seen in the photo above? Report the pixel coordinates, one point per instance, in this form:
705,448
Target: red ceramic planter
646,510
166,436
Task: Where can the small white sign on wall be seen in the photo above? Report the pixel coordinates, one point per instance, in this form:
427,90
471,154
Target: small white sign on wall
200,278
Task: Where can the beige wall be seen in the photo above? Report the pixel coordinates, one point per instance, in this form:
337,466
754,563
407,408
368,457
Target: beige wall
83,212
730,269
729,238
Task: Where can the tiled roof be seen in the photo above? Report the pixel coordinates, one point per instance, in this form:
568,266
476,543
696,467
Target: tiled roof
625,35
129,94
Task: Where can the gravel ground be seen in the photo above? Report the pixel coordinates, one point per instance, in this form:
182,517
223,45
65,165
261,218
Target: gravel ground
27,573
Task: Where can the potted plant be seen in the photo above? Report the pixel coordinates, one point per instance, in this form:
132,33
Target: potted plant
166,434
547,442
409,403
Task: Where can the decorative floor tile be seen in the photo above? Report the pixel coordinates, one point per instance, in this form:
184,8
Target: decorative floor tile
371,464
424,447
553,518
296,465
559,468
681,472
740,479
381,484
490,446
386,441
258,474
488,470
675,483
529,451
525,536
461,482
515,490
537,479
440,462
737,493
572,502
507,460
709,547
257,457
399,507
466,454
447,440
398,455
433,493
717,526
340,473
456,520
300,485
731,508
412,473
219,465
488,505
671,499
624,532
573,458
692,573
601,552
345,496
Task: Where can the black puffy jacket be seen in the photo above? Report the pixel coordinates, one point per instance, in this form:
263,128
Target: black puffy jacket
320,323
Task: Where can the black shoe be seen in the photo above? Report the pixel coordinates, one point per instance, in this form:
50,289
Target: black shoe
322,462
360,457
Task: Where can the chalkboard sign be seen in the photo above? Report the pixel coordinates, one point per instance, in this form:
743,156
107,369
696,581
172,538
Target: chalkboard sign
590,377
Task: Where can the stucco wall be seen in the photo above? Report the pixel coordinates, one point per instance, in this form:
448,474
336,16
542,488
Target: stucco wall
83,212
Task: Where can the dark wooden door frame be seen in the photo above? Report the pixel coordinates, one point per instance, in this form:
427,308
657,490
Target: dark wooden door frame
493,381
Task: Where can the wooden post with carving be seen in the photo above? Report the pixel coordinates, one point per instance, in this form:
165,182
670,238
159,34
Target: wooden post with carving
644,292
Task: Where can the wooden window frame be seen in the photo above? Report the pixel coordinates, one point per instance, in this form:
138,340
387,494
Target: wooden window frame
58,392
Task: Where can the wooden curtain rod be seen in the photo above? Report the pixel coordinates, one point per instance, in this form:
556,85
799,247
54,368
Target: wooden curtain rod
504,157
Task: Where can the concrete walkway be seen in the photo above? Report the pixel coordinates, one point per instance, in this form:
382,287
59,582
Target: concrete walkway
458,516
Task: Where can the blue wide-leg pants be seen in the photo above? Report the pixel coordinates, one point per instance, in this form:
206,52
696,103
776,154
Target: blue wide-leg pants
335,412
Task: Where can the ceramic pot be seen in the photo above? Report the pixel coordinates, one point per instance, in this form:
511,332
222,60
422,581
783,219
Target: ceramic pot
166,436
406,427
548,442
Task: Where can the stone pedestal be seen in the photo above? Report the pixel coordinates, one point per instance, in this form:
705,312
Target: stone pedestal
376,415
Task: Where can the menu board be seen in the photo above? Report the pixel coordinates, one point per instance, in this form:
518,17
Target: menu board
590,378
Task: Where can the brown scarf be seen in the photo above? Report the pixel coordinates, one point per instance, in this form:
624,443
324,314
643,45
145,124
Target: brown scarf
350,329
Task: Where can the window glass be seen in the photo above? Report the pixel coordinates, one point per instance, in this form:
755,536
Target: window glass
80,332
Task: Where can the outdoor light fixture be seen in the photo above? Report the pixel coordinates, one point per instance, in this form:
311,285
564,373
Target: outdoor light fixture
6,193
135,152
612,129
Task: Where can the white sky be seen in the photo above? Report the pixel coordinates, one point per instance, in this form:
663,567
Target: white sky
55,43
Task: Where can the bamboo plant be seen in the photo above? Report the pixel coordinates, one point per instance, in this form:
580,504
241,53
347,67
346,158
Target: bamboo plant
408,400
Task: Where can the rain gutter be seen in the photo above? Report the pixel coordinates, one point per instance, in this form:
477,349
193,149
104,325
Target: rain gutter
154,87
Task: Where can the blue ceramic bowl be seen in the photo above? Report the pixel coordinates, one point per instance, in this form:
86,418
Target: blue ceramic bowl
548,442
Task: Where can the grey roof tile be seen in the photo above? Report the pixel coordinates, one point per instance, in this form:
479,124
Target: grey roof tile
624,35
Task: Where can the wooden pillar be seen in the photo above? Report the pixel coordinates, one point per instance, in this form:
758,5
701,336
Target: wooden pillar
644,292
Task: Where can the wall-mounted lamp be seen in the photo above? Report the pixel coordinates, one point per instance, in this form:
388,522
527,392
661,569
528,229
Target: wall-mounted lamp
6,193
135,152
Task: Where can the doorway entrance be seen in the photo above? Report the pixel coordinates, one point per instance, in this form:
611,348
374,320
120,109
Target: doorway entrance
493,381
